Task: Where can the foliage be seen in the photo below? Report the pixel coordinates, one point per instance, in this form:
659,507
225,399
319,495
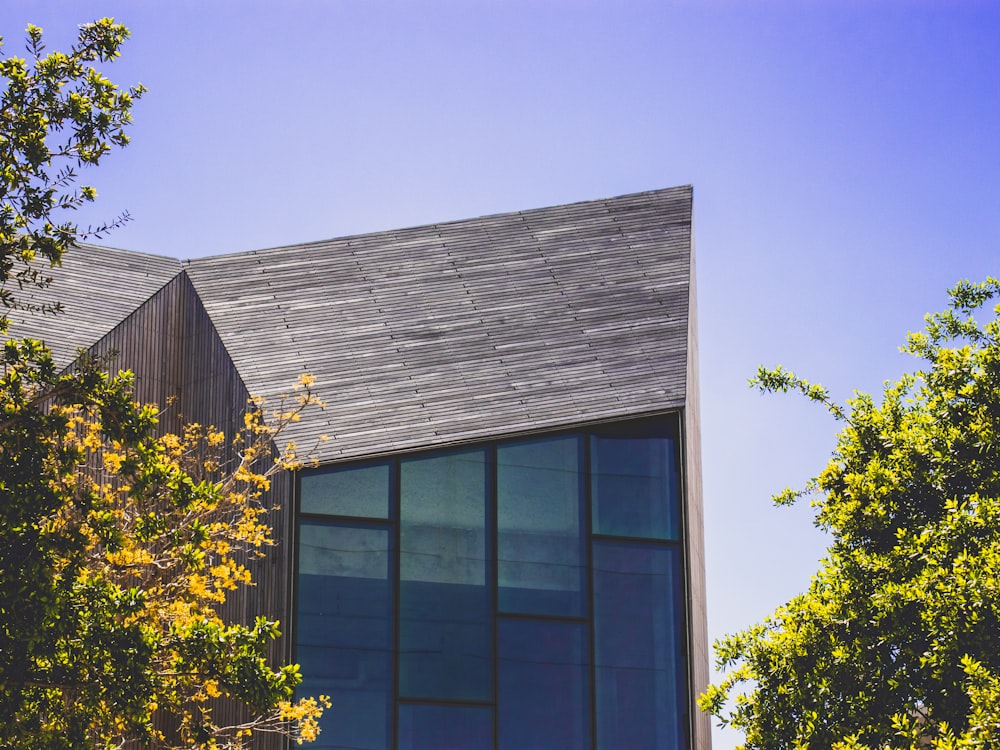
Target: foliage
118,544
896,643
119,548
58,114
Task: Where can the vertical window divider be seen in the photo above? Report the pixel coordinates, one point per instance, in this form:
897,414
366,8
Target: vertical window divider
493,563
292,634
589,560
395,514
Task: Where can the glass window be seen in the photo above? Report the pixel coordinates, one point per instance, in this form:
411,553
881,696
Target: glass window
353,491
544,685
431,628
344,631
638,647
540,546
445,604
635,483
445,727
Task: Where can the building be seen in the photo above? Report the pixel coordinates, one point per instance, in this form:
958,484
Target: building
502,546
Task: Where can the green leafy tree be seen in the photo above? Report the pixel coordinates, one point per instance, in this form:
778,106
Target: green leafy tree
896,642
58,114
118,544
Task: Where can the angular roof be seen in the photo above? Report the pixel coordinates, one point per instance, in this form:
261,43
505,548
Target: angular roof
98,287
430,335
449,332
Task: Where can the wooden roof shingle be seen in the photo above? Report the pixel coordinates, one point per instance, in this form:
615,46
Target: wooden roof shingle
450,332
431,335
98,287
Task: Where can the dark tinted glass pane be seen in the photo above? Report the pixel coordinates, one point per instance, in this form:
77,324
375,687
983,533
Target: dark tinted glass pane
635,482
445,602
361,491
344,637
544,700
445,728
638,647
540,550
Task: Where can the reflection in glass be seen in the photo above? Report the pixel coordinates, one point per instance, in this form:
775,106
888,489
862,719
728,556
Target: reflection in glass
635,483
540,547
358,491
544,700
638,647
445,604
566,670
445,727
344,631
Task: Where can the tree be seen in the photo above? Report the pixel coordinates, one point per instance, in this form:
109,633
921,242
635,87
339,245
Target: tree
118,545
58,114
896,643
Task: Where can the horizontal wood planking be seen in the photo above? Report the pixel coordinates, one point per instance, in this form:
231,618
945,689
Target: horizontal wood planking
502,324
97,287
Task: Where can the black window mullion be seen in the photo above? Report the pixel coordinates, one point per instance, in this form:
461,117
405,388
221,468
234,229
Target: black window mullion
589,553
494,577
293,551
394,513
444,702
638,540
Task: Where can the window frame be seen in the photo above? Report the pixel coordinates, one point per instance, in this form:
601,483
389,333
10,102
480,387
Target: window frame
670,421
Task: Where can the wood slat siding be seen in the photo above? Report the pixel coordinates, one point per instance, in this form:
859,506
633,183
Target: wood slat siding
177,356
98,287
446,333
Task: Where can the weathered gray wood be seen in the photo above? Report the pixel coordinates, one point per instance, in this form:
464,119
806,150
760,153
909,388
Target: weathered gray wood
503,324
98,287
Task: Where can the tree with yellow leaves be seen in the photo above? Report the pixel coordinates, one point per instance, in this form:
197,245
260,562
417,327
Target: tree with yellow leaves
118,544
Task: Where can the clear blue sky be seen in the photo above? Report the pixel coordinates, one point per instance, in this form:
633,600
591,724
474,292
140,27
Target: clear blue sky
845,156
